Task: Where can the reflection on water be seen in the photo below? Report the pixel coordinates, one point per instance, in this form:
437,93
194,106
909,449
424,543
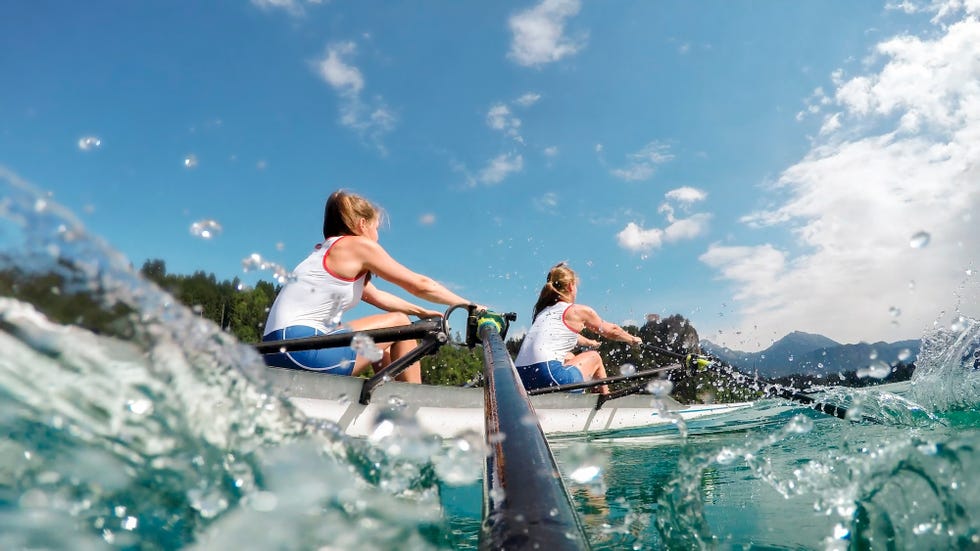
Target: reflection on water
155,430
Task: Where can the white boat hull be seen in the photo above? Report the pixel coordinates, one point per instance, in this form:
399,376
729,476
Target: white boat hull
452,411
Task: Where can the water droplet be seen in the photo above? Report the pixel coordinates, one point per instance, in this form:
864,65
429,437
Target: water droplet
364,346
190,161
255,261
725,457
140,406
627,370
263,502
904,354
585,473
919,240
911,284
205,229
895,312
660,387
929,448
88,143
873,355
209,505
800,425
877,370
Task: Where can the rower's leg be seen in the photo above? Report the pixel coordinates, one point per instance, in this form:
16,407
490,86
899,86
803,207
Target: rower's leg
392,351
589,363
412,373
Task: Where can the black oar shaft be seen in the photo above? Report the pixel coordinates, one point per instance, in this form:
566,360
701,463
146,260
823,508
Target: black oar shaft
415,330
599,382
772,390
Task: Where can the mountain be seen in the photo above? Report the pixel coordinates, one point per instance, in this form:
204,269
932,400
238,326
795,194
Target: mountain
810,354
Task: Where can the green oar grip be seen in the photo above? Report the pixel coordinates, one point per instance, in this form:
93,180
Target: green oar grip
492,318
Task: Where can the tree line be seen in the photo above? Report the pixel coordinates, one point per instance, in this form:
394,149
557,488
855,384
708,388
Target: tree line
242,311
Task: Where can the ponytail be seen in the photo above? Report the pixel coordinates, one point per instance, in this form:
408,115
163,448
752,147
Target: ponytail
556,288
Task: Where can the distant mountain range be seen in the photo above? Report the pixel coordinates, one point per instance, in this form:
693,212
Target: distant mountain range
809,354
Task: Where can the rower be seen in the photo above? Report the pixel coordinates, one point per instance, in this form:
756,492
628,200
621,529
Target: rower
545,358
333,279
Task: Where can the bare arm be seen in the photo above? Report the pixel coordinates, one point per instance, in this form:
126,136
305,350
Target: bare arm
391,303
379,262
591,320
587,342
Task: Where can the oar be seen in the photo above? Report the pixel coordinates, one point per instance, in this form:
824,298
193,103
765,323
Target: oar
599,382
416,330
771,390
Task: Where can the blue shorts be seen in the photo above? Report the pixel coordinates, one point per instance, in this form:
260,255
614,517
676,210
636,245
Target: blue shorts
550,373
337,361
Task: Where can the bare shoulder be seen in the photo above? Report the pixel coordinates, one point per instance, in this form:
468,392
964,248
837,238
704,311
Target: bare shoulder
584,313
359,245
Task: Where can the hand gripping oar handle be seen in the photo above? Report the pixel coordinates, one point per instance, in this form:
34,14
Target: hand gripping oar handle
771,390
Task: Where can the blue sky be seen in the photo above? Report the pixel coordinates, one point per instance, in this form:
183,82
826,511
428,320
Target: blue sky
759,167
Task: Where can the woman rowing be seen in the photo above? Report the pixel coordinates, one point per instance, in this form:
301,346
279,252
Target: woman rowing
546,357
334,278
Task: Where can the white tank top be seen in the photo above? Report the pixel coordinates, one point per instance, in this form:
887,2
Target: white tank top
549,338
313,296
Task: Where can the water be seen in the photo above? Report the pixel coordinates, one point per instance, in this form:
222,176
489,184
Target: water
158,432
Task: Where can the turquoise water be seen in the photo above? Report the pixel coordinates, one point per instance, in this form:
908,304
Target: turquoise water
159,433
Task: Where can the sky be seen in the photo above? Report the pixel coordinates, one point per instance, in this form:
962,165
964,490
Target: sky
759,167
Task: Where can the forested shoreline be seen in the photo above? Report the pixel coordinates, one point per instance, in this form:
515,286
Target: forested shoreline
241,310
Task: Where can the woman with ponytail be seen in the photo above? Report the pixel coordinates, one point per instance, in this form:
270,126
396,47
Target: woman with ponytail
334,278
546,357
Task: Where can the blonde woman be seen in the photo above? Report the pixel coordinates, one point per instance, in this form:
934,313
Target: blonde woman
334,278
546,357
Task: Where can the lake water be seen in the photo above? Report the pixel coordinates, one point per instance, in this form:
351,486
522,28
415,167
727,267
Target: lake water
164,436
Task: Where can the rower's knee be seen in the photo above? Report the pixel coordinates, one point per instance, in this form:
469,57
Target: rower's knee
394,319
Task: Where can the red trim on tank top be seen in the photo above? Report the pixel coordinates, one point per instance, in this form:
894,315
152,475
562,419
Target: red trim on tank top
331,272
565,311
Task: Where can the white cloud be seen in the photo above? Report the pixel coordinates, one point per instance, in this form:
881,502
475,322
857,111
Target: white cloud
551,151
427,219
854,201
500,167
547,202
293,7
643,164
371,119
346,79
501,118
638,239
539,33
528,99
687,195
635,238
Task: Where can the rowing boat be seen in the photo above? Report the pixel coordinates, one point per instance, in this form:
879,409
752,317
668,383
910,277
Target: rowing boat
453,411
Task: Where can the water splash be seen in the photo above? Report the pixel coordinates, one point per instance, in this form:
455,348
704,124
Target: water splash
158,429
947,374
255,261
